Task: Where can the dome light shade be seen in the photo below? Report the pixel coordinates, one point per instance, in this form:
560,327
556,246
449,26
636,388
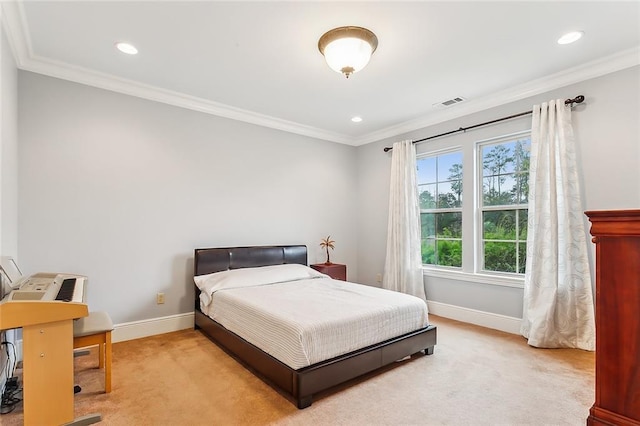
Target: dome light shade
347,49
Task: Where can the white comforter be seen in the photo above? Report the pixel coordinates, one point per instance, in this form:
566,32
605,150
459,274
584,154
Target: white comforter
305,320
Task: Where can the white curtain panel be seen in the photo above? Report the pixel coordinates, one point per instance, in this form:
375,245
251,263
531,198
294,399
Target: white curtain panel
558,299
403,264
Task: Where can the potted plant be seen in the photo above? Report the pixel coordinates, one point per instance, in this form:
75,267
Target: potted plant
327,243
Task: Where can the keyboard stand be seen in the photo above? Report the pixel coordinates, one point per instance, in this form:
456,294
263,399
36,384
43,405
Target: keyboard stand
89,419
47,333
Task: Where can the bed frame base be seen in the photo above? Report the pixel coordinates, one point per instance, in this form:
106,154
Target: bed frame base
302,384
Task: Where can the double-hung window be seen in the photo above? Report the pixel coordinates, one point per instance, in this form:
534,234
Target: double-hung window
504,177
440,194
493,238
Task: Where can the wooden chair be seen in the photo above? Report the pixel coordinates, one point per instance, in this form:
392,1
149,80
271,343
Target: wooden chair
93,330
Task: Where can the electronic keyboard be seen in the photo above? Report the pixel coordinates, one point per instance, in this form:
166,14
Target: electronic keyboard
46,286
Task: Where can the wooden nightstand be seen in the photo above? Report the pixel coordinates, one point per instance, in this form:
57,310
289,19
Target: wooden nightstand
336,271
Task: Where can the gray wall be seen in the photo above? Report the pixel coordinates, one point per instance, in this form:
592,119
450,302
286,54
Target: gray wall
123,189
607,131
8,172
8,151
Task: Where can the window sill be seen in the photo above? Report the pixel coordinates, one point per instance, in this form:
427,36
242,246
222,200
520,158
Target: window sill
482,278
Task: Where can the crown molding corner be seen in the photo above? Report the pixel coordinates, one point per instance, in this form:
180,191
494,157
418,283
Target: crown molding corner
16,30
13,18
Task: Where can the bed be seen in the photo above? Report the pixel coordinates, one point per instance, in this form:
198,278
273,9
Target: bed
294,378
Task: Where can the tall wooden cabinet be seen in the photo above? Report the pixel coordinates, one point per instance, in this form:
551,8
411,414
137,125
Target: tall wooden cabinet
616,235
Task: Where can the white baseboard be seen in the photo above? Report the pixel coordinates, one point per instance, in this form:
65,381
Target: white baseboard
472,316
150,327
137,329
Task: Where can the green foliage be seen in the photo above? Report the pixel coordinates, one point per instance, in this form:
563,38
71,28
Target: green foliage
508,253
500,225
435,249
450,253
500,256
444,253
426,200
428,252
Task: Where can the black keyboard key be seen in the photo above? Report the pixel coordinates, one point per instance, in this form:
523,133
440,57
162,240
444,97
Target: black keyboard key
66,290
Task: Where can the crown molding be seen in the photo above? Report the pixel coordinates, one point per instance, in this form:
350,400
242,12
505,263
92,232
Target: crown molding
18,35
616,62
116,84
13,18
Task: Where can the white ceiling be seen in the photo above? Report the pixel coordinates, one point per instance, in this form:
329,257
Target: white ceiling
258,61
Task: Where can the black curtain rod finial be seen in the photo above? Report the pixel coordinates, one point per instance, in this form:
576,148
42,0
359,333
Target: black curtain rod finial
577,100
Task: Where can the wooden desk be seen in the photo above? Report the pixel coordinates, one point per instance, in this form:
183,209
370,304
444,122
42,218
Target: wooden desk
336,271
47,333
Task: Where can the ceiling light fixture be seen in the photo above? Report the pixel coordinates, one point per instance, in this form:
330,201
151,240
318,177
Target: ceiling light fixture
348,49
127,48
570,37
356,119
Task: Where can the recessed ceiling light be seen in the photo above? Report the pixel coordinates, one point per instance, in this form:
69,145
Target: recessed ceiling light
127,48
356,119
570,37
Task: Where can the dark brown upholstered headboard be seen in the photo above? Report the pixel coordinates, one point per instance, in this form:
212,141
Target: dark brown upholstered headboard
209,260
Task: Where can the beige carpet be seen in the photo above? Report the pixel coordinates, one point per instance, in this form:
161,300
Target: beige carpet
477,376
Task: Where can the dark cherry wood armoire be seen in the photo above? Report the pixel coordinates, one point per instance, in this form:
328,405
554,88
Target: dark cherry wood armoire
616,234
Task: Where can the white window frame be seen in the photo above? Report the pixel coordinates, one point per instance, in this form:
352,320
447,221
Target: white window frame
480,209
472,172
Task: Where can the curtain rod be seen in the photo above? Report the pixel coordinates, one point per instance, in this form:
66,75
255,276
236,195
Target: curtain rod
577,100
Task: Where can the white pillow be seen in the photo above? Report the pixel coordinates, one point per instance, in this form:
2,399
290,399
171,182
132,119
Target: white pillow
247,277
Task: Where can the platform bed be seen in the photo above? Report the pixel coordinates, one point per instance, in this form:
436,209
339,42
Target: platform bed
303,383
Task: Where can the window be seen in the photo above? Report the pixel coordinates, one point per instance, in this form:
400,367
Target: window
504,170
440,194
492,237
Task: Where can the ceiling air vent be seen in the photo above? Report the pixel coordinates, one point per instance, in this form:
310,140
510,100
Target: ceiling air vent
449,102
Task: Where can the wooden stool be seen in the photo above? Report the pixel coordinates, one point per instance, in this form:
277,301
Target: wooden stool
93,330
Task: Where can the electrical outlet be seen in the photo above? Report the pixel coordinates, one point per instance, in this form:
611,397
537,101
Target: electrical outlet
160,298
379,278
